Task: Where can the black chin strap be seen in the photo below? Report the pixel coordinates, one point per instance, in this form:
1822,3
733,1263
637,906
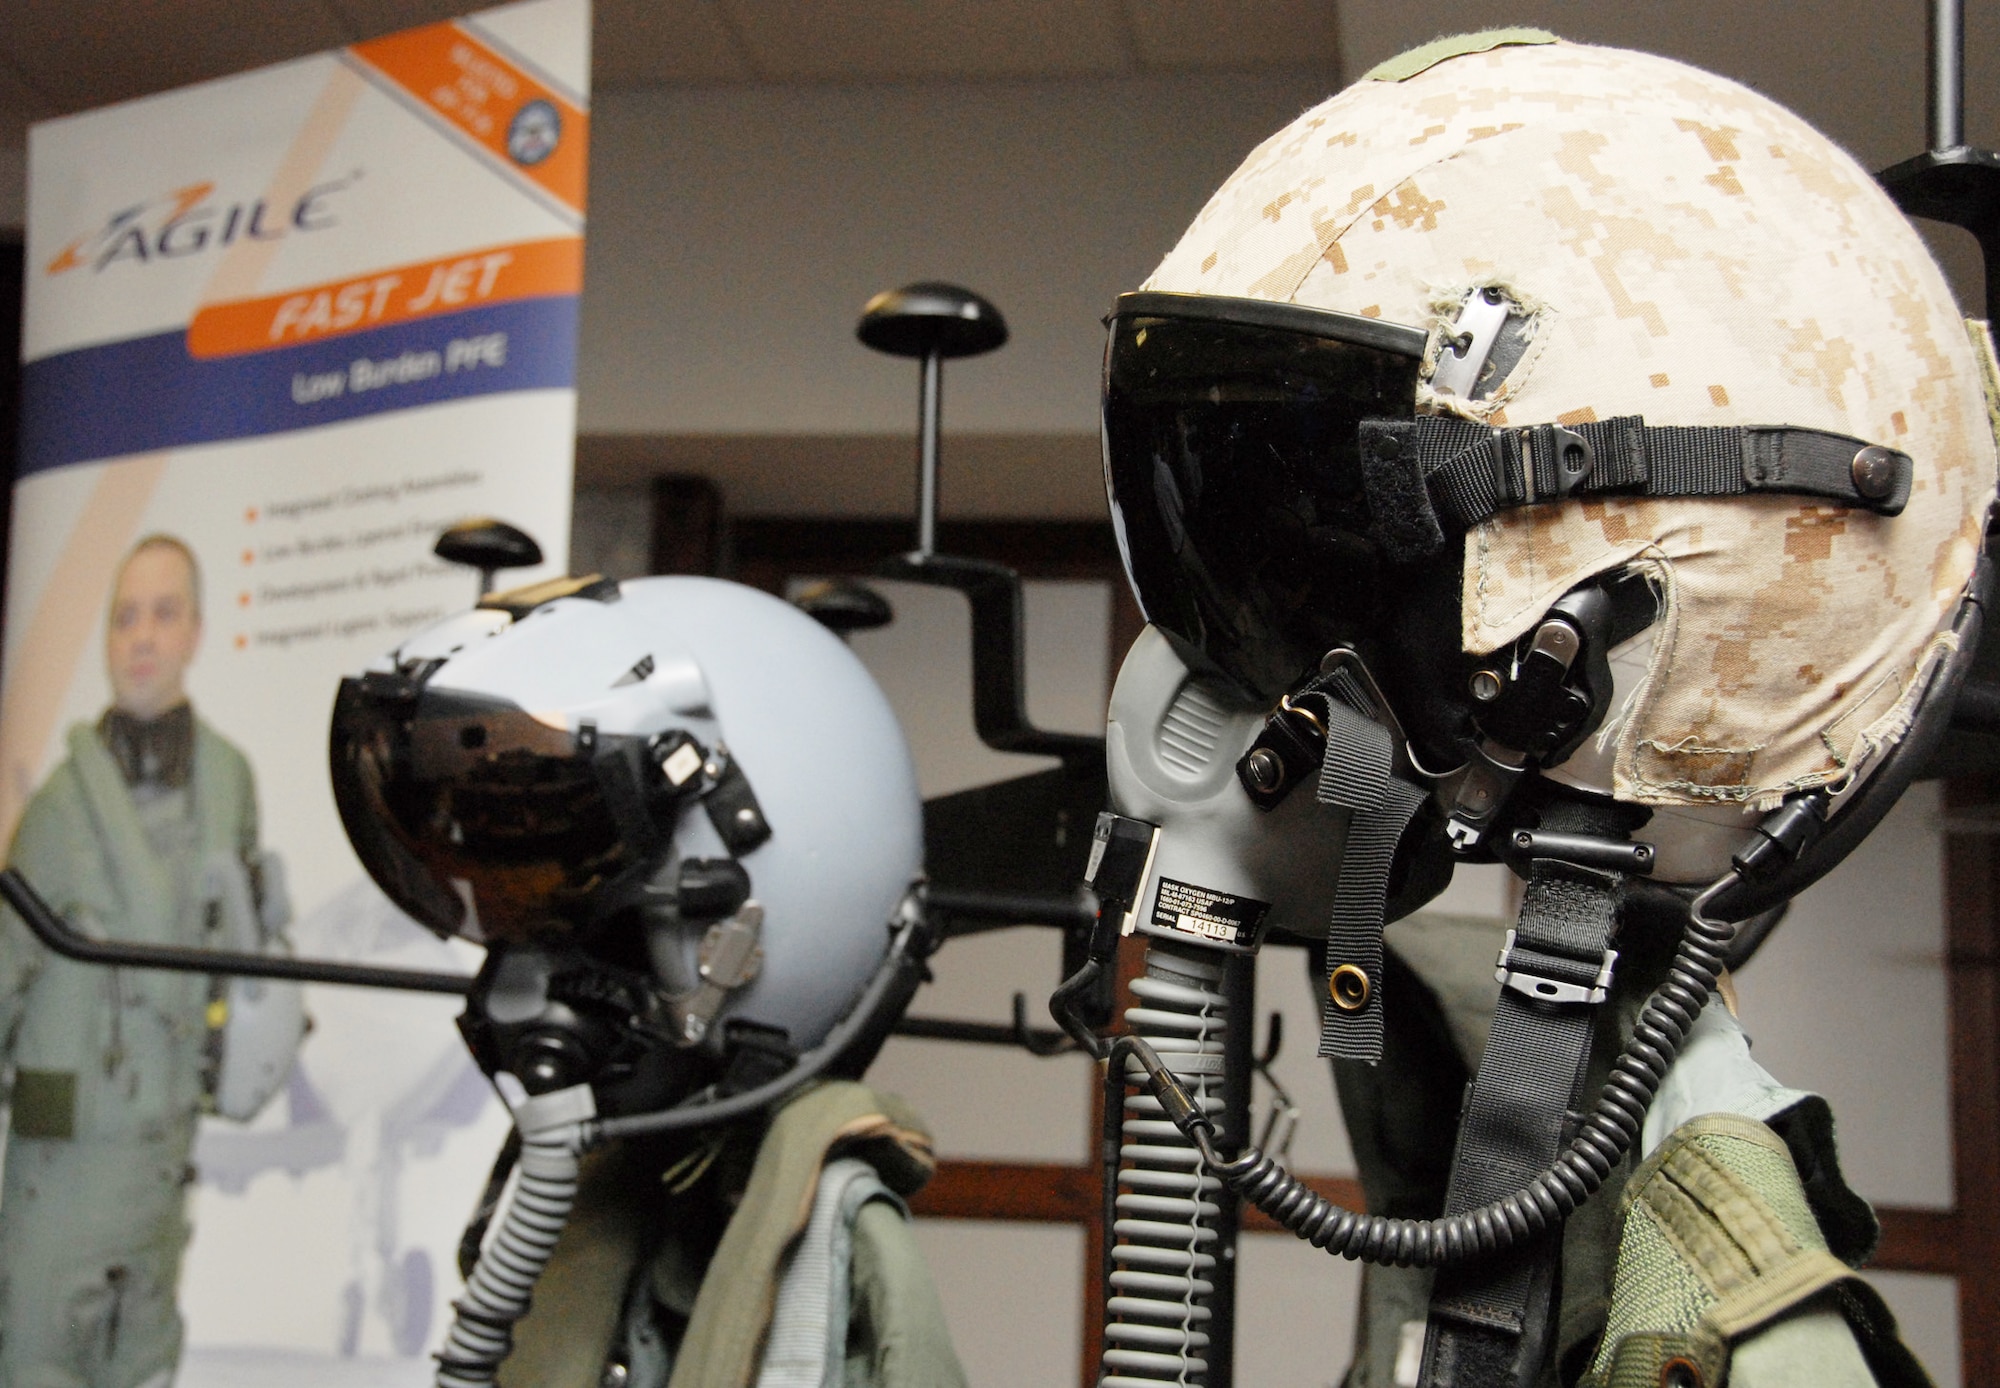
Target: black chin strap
1491,1322
1333,725
1356,774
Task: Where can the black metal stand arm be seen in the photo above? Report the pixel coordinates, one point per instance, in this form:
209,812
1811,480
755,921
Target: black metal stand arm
57,933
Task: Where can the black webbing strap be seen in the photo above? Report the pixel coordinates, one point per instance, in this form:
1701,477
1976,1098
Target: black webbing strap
1490,1321
1436,471
1356,775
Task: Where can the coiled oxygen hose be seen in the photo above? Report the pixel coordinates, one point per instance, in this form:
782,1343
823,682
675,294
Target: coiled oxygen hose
1577,1173
503,1280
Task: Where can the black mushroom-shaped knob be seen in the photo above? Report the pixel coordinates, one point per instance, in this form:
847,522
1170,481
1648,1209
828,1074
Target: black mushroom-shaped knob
929,317
842,605
486,544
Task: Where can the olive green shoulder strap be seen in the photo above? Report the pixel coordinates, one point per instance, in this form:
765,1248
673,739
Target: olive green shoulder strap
1719,1242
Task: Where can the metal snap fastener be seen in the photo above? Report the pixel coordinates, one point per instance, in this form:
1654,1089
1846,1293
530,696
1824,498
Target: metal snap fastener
1874,471
1348,987
1388,447
1267,772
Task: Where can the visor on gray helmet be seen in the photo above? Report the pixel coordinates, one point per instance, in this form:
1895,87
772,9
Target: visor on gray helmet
453,800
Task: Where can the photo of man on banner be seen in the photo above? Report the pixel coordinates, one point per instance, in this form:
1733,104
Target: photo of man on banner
147,831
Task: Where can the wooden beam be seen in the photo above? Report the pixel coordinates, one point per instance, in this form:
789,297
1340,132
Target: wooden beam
1918,1241
1972,950
1035,1192
1047,1193
765,550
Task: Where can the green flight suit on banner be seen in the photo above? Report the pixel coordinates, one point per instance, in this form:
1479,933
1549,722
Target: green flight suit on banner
108,1064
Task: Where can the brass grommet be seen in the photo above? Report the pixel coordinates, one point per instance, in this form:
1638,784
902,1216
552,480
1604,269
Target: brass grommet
1679,1372
1348,987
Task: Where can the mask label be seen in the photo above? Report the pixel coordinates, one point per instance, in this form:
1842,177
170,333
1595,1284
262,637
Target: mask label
1181,908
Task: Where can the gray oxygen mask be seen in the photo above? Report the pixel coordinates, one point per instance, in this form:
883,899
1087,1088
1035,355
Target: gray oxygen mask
1206,866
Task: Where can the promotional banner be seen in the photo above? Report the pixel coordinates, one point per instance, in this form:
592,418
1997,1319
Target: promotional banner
280,330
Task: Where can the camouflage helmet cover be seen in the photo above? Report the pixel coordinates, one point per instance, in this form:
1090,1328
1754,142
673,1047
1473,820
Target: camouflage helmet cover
1691,253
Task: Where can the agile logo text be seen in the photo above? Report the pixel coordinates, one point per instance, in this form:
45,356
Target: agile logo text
191,220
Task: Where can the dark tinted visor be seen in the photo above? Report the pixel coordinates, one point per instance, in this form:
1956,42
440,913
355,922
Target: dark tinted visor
445,794
1232,458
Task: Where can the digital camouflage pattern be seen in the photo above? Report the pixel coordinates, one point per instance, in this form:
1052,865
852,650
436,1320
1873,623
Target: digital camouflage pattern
1693,254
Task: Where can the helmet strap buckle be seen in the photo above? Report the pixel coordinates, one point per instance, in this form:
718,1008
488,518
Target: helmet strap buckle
1539,462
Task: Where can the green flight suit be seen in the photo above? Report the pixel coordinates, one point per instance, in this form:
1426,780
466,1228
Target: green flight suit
1402,1120
108,1064
671,1264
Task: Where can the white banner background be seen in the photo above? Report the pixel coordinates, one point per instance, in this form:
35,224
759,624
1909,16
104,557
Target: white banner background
325,1231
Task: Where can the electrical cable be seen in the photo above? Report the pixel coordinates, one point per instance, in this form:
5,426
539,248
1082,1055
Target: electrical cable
1576,1174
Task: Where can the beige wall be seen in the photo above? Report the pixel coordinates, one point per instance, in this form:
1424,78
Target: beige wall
736,232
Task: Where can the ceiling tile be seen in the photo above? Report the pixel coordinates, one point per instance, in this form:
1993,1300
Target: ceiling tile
652,43
845,40
20,105
1177,35
367,19
83,53
1855,69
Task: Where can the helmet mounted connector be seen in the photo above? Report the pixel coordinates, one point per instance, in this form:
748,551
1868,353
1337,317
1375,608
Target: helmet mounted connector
731,956
1534,709
710,888
731,804
1782,835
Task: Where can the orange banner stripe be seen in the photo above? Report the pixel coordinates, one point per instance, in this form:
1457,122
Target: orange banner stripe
489,98
474,279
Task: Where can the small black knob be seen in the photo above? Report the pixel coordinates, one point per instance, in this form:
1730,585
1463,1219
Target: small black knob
842,605
486,544
1266,771
928,317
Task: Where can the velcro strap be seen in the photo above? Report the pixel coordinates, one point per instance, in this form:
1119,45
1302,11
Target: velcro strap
1425,474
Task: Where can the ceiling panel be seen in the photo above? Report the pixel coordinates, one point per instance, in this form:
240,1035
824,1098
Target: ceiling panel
82,53
651,43
19,105
1855,68
365,19
76,54
1176,35
845,40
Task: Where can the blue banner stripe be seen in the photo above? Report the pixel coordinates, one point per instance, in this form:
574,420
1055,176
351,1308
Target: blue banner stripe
147,393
